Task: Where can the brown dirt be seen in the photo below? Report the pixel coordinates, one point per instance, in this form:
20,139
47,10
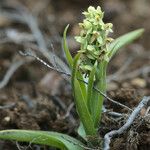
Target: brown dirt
38,98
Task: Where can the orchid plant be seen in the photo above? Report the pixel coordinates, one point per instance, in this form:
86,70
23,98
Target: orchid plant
88,70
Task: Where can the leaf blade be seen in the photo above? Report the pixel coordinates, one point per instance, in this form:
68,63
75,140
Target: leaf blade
81,104
54,139
123,41
66,49
90,88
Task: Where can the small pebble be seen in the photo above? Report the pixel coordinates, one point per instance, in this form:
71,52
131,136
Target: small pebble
7,119
138,82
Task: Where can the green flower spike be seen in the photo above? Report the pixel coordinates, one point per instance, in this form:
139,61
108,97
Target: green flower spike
93,38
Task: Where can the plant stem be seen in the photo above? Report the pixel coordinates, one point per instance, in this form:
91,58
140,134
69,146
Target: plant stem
98,98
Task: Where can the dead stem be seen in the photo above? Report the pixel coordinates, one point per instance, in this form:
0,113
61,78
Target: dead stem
24,16
63,106
10,72
69,114
118,77
112,113
134,114
33,25
135,73
121,70
8,106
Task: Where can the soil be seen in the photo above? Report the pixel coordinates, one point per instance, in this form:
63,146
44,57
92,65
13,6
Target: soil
37,98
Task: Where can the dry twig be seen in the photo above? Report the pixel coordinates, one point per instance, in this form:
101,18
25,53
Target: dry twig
10,72
8,106
135,73
33,25
120,71
24,16
117,77
134,114
62,105
112,113
69,114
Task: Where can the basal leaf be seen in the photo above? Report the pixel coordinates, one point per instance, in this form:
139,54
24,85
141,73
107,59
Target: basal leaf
81,131
82,84
66,49
124,40
90,88
81,104
100,84
53,139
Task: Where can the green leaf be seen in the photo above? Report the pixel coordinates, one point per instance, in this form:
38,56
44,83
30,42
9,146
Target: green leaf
80,102
81,131
82,84
90,88
66,49
123,41
82,109
70,59
100,84
54,139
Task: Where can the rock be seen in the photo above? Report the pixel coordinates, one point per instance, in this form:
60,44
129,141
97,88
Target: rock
138,82
7,119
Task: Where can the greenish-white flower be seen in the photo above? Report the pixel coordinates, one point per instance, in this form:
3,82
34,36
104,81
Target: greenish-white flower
94,38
